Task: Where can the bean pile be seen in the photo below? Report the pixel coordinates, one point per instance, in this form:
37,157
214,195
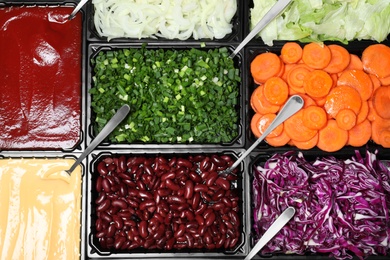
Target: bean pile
166,203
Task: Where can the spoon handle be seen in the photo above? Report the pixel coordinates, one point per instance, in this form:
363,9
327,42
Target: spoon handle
107,129
275,10
77,8
279,223
293,105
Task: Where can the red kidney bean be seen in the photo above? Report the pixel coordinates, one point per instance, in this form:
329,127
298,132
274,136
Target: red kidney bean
223,183
189,189
111,167
143,229
205,164
122,190
204,175
119,241
101,234
208,239
119,203
202,207
190,240
145,194
111,230
209,181
108,160
102,169
170,243
181,239
219,161
160,243
104,205
205,196
112,196
99,186
102,196
209,220
118,222
189,214
218,206
146,204
176,199
139,240
227,202
180,231
136,160
168,175
163,192
234,218
160,232
171,185
133,203
199,219
148,170
184,163
233,242
105,216
200,188
99,224
195,177
195,201
106,185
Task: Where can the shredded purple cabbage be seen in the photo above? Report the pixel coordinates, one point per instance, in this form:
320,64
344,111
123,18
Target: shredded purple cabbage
342,206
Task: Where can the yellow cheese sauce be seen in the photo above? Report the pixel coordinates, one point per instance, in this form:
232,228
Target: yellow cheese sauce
39,209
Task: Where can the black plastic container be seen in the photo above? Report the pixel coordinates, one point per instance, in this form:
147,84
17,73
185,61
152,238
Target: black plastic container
237,142
80,145
234,37
95,249
259,159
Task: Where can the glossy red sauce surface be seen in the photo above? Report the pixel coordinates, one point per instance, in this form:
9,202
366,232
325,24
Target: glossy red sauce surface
40,78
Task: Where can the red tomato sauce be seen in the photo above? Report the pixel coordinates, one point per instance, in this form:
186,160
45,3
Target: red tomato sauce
40,78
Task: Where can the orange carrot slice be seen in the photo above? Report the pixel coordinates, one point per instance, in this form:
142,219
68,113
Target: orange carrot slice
380,127
265,66
259,104
296,130
308,144
381,100
359,80
317,83
279,140
296,76
255,125
360,134
276,91
346,119
264,123
332,138
314,117
385,81
291,52
363,113
355,63
376,83
342,97
340,59
376,60
316,55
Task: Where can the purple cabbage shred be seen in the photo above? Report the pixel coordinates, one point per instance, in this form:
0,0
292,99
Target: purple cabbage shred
342,206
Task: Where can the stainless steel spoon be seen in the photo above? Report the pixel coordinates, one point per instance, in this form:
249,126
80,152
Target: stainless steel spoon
77,8
279,223
293,105
275,10
107,129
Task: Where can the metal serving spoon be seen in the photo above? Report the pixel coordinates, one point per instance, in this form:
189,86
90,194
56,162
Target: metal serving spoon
77,8
279,223
107,129
275,10
293,105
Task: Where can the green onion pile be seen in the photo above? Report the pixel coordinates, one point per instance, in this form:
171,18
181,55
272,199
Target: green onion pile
175,96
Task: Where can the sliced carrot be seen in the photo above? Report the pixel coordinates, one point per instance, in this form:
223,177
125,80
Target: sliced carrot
265,121
381,100
376,60
316,55
308,144
376,83
265,66
296,76
291,52
317,83
314,117
378,126
279,140
359,80
287,68
342,97
255,125
308,101
340,59
332,138
320,101
355,63
363,113
296,130
385,81
259,104
275,90
335,78
384,138
360,134
346,119
372,114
